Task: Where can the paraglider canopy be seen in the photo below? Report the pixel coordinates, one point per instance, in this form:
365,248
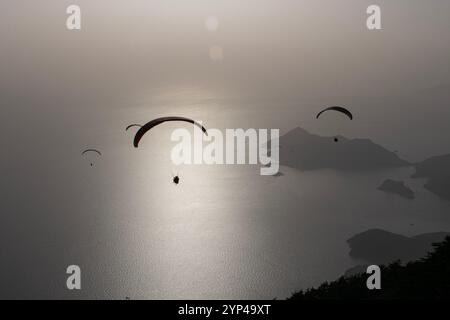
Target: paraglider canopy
338,109
133,125
149,125
91,150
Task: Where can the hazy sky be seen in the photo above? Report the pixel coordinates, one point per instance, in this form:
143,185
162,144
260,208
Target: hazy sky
287,57
272,48
291,51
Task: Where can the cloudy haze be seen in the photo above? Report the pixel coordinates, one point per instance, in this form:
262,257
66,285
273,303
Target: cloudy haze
294,55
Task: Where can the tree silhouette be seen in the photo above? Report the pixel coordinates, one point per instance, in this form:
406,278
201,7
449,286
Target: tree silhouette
427,278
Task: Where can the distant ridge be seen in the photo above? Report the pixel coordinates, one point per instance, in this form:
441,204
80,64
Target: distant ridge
380,246
427,278
437,171
305,151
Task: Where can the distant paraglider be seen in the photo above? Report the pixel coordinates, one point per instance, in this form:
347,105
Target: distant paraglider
145,128
338,109
89,151
133,125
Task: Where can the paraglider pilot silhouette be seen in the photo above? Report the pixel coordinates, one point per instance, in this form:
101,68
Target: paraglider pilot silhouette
149,125
338,109
87,151
176,180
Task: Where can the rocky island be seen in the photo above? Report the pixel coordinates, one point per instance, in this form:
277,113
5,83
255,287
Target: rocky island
396,187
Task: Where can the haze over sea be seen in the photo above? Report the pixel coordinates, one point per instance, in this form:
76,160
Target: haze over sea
224,232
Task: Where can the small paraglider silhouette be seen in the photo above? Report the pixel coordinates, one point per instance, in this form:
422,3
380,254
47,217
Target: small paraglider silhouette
133,125
338,109
91,150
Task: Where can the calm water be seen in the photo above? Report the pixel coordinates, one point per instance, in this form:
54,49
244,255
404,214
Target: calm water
224,232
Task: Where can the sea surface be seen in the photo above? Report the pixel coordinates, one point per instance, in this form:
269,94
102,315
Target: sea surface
224,232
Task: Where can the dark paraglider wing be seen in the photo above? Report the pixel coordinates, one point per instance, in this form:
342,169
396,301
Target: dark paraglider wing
145,128
336,108
133,125
91,150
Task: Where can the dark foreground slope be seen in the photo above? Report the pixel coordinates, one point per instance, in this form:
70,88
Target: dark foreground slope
427,278
377,246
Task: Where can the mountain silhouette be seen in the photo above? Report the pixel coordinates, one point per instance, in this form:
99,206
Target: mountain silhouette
380,247
437,172
427,278
305,151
